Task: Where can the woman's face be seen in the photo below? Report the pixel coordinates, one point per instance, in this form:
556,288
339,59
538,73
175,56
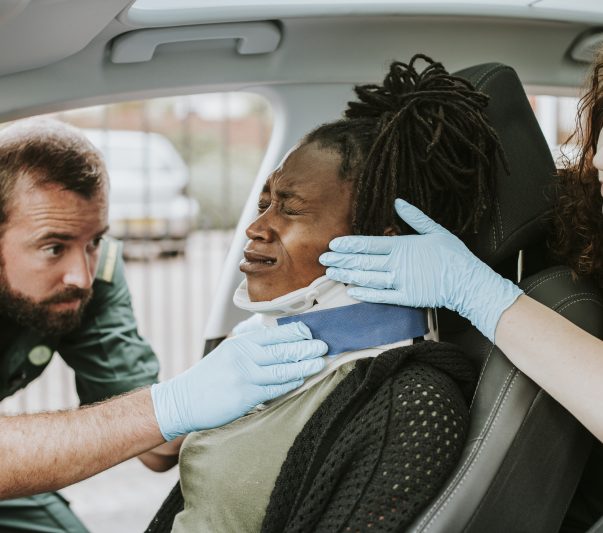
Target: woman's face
304,204
598,159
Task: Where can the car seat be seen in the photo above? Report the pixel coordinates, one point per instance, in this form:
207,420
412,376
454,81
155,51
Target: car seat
524,453
597,527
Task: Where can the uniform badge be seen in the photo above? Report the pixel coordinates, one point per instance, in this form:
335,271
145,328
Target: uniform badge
39,355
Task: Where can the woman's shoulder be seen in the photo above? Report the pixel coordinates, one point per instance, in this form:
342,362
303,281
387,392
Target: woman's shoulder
430,366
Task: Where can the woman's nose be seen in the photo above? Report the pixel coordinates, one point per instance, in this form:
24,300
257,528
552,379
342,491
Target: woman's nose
260,228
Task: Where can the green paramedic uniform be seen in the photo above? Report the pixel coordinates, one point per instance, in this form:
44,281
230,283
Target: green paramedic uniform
108,357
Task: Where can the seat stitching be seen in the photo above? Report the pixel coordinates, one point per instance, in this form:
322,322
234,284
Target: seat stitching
540,281
483,370
489,73
484,77
502,231
569,298
594,300
464,470
464,474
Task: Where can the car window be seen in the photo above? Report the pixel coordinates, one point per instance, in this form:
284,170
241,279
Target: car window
557,118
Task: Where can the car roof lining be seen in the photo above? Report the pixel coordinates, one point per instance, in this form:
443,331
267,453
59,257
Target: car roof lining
305,54
147,13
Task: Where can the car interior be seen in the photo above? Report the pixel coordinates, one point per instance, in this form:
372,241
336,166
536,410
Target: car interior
517,431
525,454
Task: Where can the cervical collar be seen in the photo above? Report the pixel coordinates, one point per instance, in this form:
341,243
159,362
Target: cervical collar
352,329
343,323
318,293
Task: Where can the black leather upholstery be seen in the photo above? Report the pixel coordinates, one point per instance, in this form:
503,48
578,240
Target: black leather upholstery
525,453
522,196
598,527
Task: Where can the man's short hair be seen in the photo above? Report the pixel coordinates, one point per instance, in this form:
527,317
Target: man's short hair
45,152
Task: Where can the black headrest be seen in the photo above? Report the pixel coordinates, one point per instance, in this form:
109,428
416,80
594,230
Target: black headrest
521,197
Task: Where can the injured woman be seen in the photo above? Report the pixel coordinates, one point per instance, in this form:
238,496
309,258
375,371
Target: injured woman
368,442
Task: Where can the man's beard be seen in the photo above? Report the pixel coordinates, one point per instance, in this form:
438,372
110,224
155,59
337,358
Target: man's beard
39,315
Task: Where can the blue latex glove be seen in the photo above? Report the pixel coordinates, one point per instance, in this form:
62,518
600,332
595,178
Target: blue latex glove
239,374
433,269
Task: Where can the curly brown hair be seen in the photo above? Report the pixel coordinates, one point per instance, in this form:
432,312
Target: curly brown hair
577,217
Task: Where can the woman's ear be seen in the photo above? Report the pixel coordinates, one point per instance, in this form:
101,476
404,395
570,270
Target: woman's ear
391,231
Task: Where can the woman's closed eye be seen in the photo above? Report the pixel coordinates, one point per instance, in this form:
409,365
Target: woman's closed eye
262,206
290,211
284,207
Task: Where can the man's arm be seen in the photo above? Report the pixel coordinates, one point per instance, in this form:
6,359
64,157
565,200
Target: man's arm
47,451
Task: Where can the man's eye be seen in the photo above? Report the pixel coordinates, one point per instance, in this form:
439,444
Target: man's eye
54,250
95,243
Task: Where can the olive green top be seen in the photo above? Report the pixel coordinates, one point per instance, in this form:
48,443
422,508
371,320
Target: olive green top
106,352
227,474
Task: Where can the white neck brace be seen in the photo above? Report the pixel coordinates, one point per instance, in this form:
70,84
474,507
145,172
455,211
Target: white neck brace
322,293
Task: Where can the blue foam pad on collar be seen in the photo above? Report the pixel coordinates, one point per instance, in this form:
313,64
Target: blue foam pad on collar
363,325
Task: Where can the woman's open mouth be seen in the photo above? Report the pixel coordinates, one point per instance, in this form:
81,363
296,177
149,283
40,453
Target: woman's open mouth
256,262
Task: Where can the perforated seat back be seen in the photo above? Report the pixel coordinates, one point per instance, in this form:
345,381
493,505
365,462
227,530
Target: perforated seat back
525,453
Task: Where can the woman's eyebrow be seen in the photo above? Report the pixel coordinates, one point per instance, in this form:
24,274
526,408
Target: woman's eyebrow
283,194
286,194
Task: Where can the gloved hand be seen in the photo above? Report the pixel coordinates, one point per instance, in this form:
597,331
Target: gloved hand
253,323
433,269
239,374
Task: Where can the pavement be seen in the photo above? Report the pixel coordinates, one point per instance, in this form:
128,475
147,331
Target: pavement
123,499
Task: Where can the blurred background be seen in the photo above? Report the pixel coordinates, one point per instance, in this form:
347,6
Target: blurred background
181,169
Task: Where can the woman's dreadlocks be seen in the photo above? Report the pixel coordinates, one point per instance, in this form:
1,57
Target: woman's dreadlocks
421,136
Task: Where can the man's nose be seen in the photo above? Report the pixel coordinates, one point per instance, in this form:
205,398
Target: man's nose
80,271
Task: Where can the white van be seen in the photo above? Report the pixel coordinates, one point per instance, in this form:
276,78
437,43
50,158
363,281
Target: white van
148,199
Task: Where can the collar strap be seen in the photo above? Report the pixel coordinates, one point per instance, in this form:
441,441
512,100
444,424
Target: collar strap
362,325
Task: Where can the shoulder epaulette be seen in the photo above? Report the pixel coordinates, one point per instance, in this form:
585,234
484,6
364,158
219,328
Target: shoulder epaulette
110,250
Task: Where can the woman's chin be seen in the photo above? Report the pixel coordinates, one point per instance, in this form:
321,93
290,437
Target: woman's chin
263,296
262,290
